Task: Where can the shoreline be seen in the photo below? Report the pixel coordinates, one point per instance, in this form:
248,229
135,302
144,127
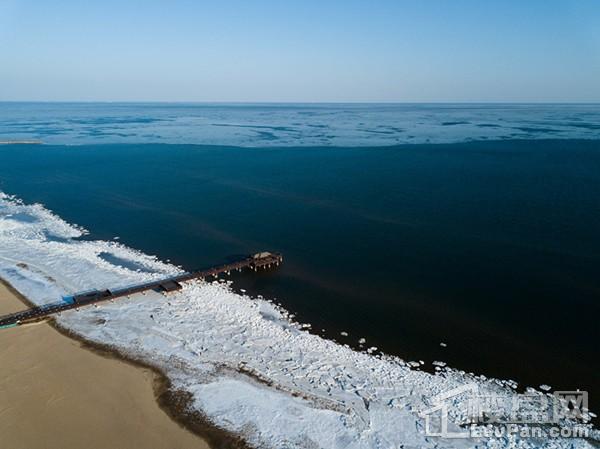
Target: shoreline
21,142
174,404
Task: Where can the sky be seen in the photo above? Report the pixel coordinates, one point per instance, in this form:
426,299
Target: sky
300,51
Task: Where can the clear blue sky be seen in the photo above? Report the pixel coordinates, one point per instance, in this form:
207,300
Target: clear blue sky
305,50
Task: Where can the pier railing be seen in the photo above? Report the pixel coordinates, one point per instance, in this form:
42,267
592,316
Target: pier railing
259,261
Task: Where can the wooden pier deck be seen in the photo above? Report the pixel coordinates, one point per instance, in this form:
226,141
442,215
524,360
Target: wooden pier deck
255,262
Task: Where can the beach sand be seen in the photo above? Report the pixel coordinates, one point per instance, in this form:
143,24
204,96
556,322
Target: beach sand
55,393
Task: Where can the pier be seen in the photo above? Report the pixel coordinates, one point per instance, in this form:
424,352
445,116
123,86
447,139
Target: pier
256,262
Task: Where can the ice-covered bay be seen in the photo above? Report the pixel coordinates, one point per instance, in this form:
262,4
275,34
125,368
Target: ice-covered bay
250,369
293,125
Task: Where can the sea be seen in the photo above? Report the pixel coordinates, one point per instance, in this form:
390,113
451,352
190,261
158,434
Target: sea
466,233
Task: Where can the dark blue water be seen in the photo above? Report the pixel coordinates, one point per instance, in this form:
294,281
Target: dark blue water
492,247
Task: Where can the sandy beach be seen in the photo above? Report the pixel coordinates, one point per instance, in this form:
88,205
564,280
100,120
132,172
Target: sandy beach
54,393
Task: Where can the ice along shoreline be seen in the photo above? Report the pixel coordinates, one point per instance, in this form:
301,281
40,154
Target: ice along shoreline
70,391
213,344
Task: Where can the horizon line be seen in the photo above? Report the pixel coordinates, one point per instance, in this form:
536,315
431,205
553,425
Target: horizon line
595,102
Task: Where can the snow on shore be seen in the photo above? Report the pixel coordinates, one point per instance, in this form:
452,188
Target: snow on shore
250,369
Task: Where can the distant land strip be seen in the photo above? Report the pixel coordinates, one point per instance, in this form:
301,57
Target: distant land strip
20,142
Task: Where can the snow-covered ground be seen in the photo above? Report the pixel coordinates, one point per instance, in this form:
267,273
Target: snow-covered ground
250,369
